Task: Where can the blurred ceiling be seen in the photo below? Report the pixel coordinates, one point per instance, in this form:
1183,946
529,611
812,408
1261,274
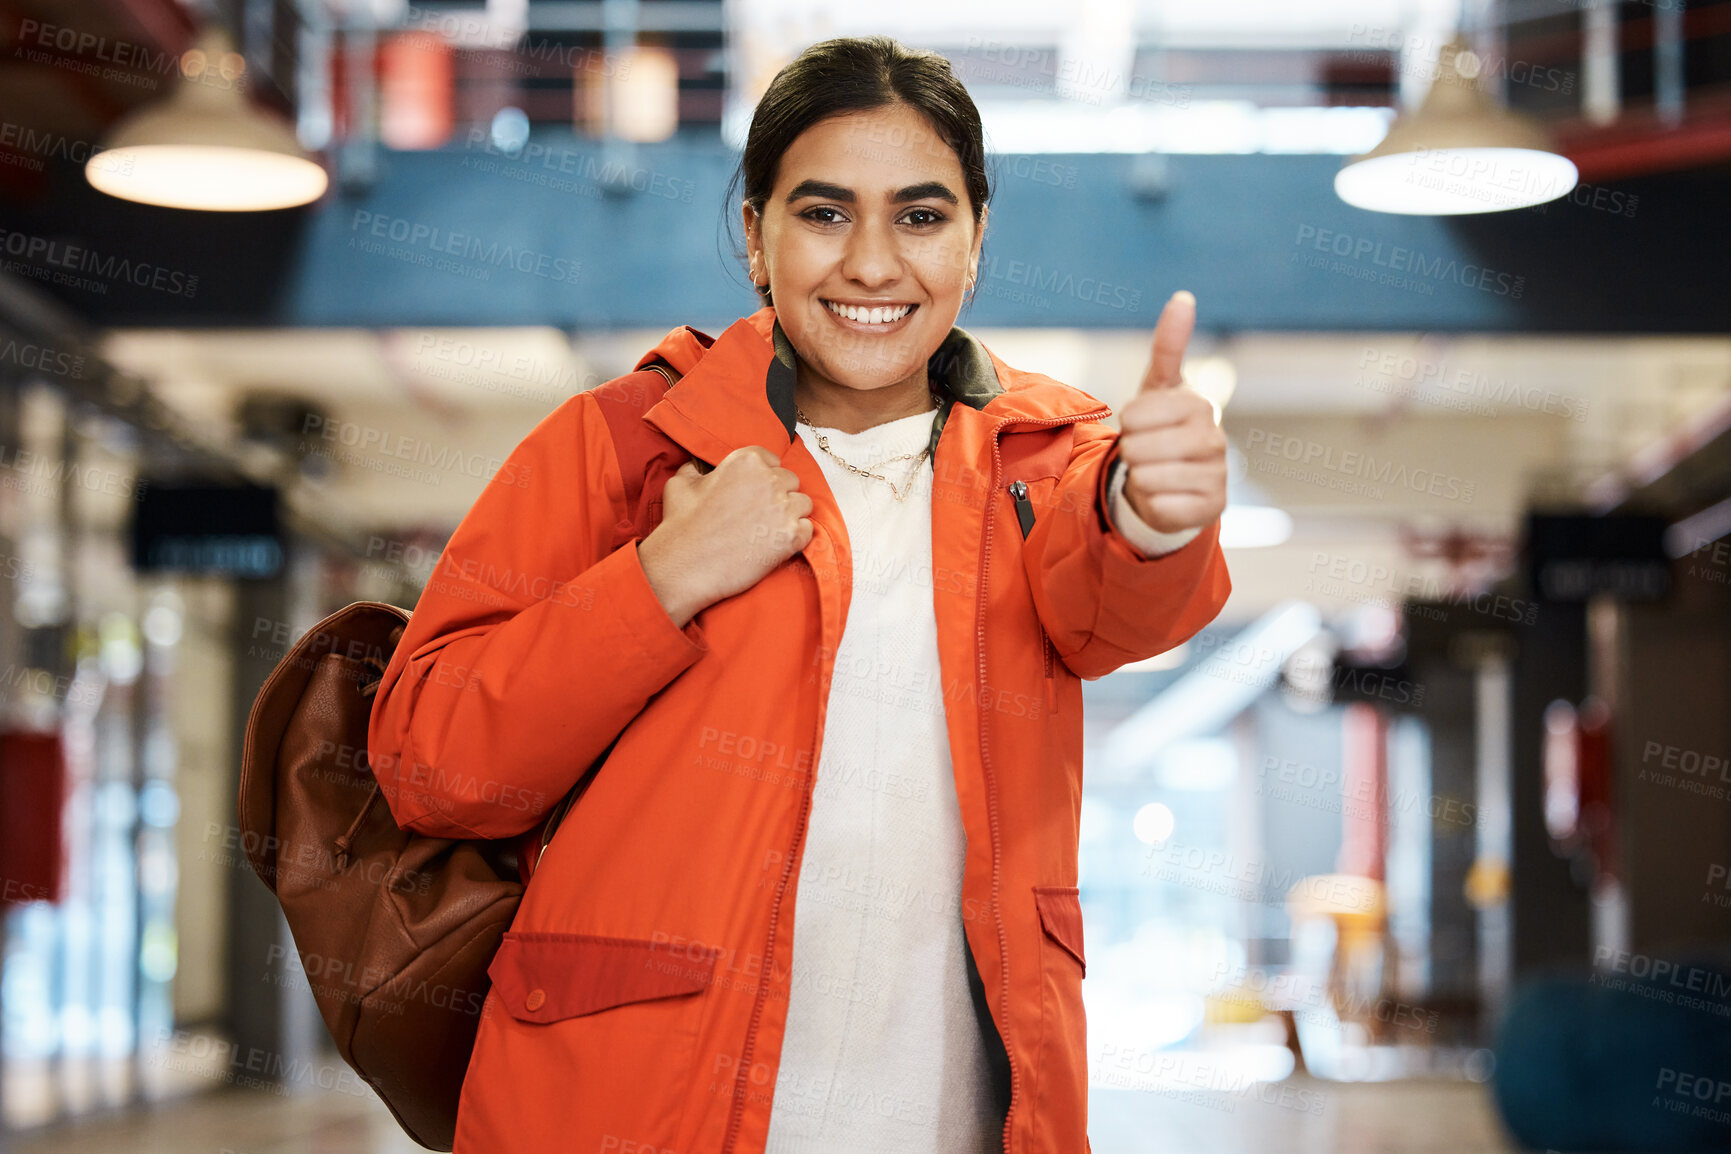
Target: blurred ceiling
399,429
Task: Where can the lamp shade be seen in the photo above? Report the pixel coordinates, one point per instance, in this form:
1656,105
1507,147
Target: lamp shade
206,147
1461,152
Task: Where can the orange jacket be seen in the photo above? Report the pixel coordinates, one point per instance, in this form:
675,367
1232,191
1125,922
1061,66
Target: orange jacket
639,999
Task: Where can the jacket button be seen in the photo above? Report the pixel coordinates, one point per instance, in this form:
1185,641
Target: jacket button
535,1000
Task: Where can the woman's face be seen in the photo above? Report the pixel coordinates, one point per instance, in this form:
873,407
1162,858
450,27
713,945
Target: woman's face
870,210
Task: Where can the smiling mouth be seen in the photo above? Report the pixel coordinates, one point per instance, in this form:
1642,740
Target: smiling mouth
881,315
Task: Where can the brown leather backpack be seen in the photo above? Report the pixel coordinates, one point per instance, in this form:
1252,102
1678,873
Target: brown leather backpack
395,930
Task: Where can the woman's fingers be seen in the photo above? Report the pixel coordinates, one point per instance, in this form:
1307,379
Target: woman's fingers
1176,477
1186,442
1171,512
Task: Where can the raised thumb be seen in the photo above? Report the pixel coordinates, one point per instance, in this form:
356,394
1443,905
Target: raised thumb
1171,337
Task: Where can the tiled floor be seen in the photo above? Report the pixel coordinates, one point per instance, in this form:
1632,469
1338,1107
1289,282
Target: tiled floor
1301,1116
1292,1117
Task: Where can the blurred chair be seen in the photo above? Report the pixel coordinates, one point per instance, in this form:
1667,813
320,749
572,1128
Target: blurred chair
1616,1063
1346,916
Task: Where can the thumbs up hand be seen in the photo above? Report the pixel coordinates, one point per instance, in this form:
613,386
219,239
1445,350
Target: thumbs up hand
1173,451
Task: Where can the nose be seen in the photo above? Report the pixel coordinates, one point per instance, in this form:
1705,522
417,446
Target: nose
871,257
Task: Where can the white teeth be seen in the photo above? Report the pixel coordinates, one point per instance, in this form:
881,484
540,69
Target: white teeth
877,316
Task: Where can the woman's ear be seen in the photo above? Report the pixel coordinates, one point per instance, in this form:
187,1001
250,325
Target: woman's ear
753,243
979,239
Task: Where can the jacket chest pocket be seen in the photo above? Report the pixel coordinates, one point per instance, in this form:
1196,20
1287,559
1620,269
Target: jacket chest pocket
1032,464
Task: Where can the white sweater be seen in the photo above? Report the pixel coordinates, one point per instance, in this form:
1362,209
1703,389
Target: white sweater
882,1051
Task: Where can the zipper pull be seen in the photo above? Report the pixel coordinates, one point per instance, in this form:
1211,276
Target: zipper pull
1024,507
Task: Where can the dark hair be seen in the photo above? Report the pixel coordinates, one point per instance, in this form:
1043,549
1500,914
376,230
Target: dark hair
856,74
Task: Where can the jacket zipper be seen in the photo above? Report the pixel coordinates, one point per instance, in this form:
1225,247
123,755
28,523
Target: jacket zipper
742,1087
985,753
1051,681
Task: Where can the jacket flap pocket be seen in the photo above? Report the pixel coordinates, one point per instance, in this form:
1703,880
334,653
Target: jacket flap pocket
1061,917
545,977
1037,453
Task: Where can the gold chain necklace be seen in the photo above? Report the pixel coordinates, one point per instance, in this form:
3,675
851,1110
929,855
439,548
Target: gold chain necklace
823,443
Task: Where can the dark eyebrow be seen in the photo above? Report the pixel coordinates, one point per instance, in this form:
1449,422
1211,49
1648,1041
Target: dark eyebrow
931,188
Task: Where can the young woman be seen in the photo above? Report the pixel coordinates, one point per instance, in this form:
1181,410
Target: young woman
821,896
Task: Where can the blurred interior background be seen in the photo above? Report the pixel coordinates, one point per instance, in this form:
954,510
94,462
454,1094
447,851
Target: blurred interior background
1463,730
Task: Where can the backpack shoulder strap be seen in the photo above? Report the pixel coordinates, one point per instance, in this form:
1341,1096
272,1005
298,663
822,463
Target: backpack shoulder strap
646,455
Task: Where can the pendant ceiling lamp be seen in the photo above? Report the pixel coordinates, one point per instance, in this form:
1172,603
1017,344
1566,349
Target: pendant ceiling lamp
206,147
1461,152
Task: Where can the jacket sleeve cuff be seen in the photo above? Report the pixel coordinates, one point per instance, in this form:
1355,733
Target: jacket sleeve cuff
1145,540
640,616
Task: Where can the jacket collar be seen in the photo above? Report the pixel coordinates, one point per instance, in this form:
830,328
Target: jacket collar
737,389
